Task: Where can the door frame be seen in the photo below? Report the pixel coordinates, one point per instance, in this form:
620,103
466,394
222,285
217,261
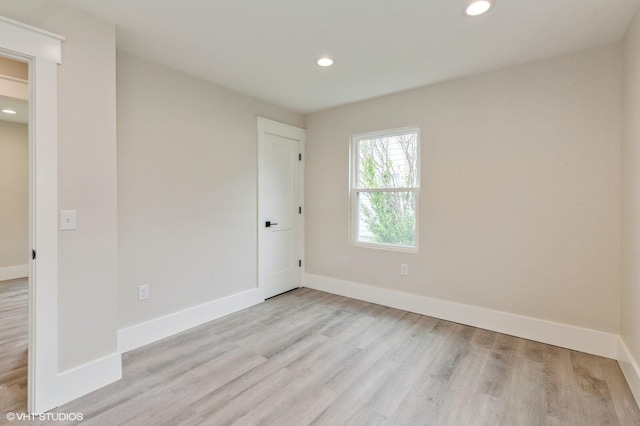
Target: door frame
42,50
267,126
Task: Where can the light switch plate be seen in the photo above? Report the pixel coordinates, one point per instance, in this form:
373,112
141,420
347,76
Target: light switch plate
67,220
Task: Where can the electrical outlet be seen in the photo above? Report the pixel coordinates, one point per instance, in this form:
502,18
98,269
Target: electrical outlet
143,292
404,269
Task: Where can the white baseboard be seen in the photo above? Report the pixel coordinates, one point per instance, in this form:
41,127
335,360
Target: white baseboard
148,332
14,272
557,334
630,369
79,381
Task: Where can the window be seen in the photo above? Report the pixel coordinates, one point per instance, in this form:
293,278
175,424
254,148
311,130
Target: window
385,186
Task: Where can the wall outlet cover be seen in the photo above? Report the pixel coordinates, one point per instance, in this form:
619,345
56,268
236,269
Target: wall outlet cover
404,269
143,292
68,220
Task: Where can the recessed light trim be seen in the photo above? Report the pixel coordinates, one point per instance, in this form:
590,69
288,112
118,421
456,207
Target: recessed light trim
324,61
9,111
478,7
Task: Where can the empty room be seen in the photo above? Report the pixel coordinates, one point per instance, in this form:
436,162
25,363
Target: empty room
343,212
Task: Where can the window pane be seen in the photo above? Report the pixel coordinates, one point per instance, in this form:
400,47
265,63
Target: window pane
388,161
387,218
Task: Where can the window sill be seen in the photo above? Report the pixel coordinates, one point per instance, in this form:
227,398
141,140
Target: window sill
387,247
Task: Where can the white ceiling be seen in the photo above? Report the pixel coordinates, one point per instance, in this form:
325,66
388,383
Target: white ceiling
268,48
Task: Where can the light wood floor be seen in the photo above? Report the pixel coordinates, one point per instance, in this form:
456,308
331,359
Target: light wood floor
14,328
308,357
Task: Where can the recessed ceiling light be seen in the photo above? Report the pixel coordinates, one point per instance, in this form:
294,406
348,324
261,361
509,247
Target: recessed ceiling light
325,62
478,7
8,111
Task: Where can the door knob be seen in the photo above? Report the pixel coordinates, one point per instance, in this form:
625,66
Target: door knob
269,224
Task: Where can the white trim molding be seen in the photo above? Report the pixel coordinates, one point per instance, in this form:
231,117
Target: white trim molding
553,333
79,381
31,41
14,272
148,332
630,368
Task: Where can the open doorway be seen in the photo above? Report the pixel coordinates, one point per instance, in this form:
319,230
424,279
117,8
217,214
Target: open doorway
42,50
14,234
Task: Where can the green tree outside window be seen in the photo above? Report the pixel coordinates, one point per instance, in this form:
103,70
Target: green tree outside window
387,181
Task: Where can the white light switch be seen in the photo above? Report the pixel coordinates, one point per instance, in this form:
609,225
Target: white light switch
67,220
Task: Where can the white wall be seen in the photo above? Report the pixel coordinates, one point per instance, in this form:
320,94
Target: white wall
14,194
520,198
87,281
187,189
630,320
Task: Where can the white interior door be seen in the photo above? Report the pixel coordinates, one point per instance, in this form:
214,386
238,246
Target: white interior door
280,206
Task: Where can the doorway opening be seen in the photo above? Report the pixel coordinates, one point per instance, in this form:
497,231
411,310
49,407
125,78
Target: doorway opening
14,234
42,51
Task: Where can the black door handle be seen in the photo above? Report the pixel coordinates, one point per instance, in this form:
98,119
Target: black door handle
269,224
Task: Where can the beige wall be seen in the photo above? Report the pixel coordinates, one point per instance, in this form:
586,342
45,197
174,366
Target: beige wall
630,329
187,188
14,194
87,286
15,69
520,197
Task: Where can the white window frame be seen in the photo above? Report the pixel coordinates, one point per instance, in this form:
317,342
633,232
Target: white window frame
354,190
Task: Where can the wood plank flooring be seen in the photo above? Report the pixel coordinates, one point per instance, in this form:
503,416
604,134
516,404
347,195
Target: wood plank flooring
312,358
14,329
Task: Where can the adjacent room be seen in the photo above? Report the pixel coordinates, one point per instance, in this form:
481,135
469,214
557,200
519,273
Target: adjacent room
349,212
14,230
